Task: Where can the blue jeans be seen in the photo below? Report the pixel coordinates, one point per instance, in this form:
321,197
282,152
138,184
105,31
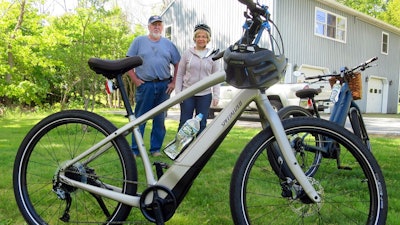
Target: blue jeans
149,95
195,104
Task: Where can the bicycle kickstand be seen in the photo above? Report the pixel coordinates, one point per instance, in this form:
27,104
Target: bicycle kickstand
339,163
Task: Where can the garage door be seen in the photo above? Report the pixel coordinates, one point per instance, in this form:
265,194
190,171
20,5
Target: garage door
375,95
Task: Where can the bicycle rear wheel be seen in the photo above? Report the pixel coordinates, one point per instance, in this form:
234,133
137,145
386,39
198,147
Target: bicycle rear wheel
293,111
353,196
43,198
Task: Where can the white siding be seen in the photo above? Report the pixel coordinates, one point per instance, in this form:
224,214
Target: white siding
295,20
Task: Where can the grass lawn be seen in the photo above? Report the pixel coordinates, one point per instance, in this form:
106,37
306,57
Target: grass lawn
208,200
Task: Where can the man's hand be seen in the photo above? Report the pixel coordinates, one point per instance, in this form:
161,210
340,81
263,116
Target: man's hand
138,82
170,88
135,80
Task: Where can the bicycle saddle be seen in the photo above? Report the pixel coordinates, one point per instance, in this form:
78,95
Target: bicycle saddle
112,68
308,93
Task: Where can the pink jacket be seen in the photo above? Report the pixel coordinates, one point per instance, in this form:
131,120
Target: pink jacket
193,68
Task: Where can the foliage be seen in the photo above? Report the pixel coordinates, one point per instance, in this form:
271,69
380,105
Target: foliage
387,11
45,59
392,14
370,7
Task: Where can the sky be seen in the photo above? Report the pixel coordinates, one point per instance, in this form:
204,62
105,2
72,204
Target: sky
137,11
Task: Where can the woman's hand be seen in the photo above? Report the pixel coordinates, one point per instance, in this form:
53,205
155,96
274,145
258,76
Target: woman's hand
215,102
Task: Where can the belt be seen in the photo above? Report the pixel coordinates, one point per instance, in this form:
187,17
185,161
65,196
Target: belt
159,80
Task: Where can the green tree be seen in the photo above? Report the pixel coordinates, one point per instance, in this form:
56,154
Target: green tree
370,7
387,11
49,54
392,13
97,33
22,75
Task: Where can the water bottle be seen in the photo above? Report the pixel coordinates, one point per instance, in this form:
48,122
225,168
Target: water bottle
184,136
335,92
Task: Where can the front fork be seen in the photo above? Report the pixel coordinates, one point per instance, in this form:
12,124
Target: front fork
267,111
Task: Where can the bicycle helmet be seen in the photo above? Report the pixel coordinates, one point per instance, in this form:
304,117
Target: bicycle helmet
203,27
252,67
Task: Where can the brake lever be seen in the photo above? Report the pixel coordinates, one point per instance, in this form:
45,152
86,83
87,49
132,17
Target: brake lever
368,66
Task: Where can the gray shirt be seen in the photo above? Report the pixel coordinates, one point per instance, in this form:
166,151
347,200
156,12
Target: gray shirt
157,57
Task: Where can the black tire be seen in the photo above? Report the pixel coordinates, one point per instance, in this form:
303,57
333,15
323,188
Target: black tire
357,124
309,161
51,143
293,111
354,196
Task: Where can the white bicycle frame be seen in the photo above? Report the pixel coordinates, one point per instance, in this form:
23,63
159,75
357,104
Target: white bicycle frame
198,148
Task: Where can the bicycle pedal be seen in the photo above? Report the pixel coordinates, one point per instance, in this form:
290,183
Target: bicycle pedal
162,164
159,168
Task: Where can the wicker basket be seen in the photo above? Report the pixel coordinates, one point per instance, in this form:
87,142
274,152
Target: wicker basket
355,84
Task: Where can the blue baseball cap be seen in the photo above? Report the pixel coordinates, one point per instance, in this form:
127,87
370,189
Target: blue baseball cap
153,19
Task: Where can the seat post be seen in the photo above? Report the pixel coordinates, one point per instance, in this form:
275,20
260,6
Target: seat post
124,95
315,106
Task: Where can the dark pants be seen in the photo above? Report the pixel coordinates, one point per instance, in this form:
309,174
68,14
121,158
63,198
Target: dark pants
195,104
149,95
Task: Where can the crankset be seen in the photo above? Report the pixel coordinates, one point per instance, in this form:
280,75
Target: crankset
158,204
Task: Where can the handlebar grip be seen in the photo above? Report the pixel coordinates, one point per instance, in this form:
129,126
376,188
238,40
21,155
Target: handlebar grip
250,4
218,55
371,60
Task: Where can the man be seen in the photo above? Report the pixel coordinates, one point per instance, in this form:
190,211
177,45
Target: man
152,79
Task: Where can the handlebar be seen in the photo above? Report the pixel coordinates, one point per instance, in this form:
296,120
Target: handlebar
252,6
371,60
253,25
257,18
365,65
346,71
249,3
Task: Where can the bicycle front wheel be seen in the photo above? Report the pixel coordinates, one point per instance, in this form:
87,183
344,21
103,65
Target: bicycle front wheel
355,195
41,195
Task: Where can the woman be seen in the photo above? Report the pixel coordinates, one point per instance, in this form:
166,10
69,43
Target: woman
196,64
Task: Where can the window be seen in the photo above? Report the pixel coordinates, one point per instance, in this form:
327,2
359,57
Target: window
168,32
330,25
385,43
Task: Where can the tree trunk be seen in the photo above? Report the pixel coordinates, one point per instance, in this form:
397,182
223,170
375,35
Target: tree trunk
65,95
13,36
